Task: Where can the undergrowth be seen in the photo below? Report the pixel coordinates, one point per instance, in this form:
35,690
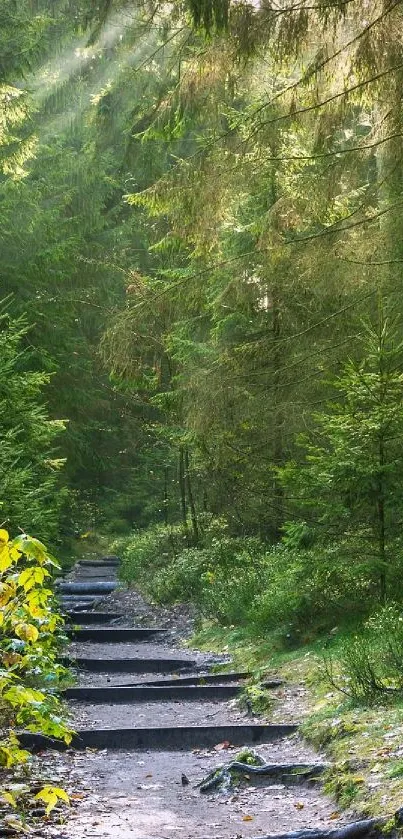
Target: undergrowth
307,613
299,591
30,646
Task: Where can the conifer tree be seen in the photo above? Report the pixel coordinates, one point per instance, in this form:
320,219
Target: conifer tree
349,484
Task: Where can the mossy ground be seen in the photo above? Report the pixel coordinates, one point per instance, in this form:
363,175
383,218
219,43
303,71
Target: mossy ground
364,743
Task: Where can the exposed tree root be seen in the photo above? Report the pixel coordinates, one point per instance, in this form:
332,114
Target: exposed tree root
223,776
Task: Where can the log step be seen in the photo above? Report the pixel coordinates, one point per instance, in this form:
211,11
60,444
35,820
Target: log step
147,693
86,588
98,563
207,679
113,635
131,665
86,617
167,738
77,608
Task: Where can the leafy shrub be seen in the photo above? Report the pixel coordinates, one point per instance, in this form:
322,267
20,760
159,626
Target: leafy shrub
146,551
309,590
222,578
240,580
156,547
29,645
371,662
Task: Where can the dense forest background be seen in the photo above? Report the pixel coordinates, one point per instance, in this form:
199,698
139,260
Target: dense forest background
201,320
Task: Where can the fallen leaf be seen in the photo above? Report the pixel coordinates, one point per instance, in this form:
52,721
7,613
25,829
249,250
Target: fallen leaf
334,815
298,805
220,746
247,818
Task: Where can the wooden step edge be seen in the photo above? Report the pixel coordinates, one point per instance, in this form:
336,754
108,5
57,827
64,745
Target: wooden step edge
171,738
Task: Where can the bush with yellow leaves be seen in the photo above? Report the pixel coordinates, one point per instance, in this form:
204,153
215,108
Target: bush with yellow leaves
31,639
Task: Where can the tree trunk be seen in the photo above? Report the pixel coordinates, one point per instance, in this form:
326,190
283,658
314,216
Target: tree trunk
193,514
278,425
182,490
381,523
165,501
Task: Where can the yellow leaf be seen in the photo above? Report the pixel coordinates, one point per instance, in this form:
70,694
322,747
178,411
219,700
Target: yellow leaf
50,796
4,537
27,632
36,611
9,798
18,826
7,591
32,577
247,818
5,559
14,554
61,793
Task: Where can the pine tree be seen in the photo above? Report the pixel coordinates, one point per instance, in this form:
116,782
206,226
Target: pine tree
349,485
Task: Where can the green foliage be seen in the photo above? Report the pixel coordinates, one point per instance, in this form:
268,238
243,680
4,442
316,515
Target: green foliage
221,575
30,493
242,581
370,663
344,787
349,484
30,645
185,250
209,14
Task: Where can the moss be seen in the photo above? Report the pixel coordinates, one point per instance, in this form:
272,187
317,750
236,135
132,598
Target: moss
248,756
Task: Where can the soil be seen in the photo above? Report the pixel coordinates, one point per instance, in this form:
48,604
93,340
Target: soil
137,795
86,679
142,649
156,714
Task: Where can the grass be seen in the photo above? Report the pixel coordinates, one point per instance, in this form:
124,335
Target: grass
364,744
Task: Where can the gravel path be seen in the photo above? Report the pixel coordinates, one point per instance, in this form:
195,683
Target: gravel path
133,796
142,649
157,714
140,794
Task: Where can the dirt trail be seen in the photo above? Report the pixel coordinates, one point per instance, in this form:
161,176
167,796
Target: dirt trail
130,793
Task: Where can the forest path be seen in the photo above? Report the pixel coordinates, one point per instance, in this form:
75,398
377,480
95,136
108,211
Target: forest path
129,780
